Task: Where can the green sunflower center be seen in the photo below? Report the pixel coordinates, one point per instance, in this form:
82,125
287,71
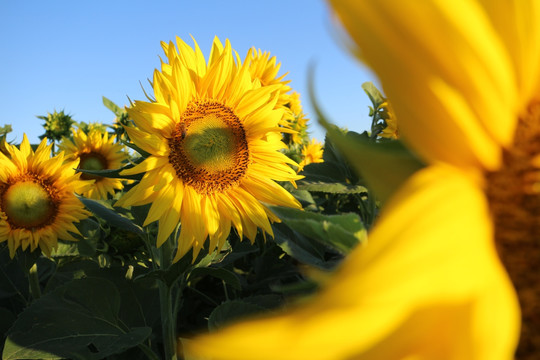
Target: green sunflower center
209,143
514,198
92,161
208,149
28,204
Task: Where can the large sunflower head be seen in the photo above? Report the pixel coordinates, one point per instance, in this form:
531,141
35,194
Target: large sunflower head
214,143
96,151
37,198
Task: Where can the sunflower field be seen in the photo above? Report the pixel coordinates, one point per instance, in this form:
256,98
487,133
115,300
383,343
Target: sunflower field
206,223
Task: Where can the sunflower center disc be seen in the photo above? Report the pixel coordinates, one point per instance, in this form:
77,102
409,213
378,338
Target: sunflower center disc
514,196
209,143
92,161
27,205
209,150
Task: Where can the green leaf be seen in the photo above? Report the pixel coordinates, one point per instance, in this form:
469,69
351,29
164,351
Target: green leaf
110,216
340,232
324,172
229,277
333,187
91,232
231,311
373,93
6,320
118,111
170,275
384,166
300,247
76,321
115,173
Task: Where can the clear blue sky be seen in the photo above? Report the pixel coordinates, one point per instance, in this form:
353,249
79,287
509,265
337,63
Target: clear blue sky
67,54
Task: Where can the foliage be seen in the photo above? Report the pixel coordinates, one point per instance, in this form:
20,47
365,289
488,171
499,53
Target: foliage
103,296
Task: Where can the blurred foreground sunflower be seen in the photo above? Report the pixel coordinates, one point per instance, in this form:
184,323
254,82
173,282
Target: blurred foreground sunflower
38,205
463,78
214,143
96,151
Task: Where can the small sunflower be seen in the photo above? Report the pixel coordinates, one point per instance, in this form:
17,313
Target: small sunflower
264,68
294,103
390,131
37,198
214,141
312,152
96,151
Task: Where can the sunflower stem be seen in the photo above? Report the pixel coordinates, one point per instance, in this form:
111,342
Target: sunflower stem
33,281
148,352
168,318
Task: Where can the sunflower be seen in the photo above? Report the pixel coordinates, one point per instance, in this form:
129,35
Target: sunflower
295,104
312,152
214,143
264,68
390,130
37,198
435,280
96,151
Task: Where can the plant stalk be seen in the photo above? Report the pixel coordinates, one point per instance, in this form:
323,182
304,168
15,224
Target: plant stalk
168,318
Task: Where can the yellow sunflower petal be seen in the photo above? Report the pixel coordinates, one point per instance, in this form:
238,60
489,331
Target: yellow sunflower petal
32,214
517,25
170,219
209,127
92,151
479,76
428,285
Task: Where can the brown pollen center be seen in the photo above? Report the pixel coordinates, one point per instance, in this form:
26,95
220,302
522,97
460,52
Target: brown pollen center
92,161
514,197
208,148
29,201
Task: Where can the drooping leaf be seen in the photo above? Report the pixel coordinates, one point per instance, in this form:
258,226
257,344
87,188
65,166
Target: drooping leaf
115,173
91,235
76,321
300,247
331,187
6,320
341,232
231,311
117,110
228,276
374,94
112,217
385,166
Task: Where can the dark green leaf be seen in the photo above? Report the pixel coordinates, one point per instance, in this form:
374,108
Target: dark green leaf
332,187
6,320
91,232
173,273
110,216
230,311
229,277
76,321
341,232
300,247
115,173
385,166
